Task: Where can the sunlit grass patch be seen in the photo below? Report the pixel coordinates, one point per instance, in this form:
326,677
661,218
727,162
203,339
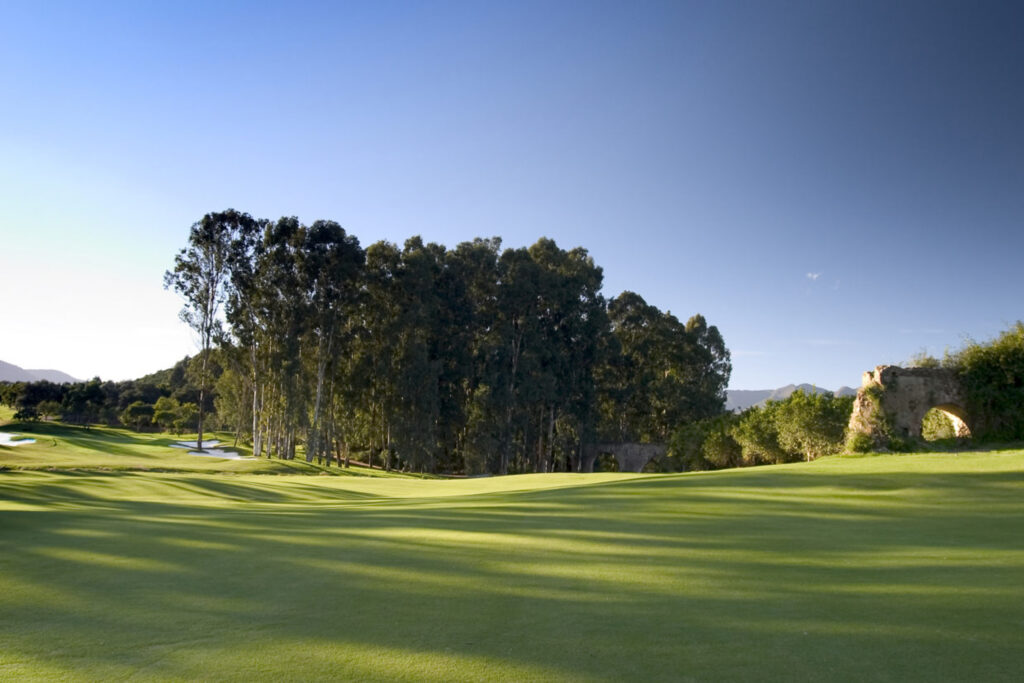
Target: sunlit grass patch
60,446
889,567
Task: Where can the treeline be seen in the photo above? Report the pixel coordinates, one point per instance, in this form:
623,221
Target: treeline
166,400
473,359
807,426
804,426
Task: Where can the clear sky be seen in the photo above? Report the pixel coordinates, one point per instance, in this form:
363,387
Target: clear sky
835,185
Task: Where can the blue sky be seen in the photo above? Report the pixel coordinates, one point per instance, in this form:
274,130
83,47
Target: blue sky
835,185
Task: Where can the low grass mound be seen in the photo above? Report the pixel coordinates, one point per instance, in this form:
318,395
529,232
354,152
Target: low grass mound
869,568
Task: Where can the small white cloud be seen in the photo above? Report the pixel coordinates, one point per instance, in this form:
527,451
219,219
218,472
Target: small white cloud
813,276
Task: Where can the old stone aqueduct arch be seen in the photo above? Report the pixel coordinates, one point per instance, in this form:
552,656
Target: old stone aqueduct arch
894,400
632,457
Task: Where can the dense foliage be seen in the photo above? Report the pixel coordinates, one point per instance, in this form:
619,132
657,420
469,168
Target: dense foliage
165,400
804,426
936,426
473,359
993,376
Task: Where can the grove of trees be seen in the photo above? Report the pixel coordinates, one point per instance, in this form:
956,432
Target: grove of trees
164,400
804,426
472,359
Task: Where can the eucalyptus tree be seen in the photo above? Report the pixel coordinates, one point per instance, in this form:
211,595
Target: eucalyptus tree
283,310
630,373
330,266
372,369
516,329
403,351
417,353
242,311
474,343
709,368
664,373
573,324
200,276
547,328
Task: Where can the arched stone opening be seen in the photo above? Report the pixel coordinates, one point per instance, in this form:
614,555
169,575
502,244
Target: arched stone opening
893,403
629,457
606,462
943,422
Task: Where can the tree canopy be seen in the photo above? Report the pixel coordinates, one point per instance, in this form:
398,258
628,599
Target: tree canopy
472,359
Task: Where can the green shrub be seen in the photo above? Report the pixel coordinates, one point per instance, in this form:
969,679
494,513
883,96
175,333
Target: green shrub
813,425
803,426
721,450
993,377
705,445
860,443
898,444
757,433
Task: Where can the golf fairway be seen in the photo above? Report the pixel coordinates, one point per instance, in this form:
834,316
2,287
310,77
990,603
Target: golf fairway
875,568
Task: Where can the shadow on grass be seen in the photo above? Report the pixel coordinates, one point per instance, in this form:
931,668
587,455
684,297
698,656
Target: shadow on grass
652,579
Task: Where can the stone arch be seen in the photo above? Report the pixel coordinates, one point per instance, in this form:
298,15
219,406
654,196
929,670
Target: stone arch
958,416
631,457
892,401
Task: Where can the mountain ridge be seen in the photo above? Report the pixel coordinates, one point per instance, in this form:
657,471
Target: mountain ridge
9,372
741,399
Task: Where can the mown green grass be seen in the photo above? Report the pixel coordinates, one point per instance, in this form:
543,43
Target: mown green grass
63,447
872,568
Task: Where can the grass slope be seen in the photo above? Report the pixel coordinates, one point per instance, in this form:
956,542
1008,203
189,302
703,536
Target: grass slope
62,447
876,568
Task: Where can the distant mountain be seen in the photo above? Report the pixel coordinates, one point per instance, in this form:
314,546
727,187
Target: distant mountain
55,376
12,373
741,399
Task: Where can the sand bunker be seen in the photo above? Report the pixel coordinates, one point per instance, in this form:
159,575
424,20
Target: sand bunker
7,439
193,444
210,452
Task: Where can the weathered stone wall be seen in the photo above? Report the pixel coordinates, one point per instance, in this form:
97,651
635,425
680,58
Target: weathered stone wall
894,400
632,457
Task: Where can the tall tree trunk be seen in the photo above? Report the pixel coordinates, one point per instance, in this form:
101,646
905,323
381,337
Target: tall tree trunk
313,449
329,420
550,464
538,465
517,344
202,402
255,403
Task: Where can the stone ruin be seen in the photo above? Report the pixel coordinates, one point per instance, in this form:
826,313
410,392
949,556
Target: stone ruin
632,457
892,401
